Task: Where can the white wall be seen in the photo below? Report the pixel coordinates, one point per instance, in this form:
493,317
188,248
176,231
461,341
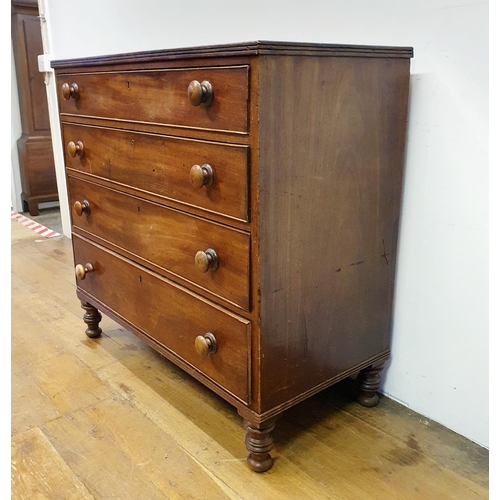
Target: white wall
439,363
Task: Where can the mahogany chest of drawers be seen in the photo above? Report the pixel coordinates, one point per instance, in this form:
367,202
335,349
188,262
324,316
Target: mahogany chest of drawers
237,207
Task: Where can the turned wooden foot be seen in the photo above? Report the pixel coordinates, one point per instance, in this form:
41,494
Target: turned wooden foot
259,443
92,317
369,383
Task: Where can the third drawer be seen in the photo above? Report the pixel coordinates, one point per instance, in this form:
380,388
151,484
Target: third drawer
205,254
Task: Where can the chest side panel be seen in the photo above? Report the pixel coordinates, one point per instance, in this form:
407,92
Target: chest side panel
332,135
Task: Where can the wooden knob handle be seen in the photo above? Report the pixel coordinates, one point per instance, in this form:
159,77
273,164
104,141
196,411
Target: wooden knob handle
202,176
81,271
69,91
82,207
205,344
200,93
207,260
75,148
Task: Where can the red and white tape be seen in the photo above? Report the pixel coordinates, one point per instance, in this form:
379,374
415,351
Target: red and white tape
34,226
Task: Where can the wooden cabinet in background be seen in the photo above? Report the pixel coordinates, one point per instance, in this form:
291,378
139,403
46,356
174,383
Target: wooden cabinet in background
36,158
237,208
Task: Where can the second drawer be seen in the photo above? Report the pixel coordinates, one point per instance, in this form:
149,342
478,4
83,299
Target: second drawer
203,253
164,166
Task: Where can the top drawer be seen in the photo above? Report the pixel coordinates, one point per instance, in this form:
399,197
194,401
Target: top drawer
160,97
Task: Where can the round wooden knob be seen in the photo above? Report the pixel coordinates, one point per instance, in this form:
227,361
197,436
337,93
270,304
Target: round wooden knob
81,271
75,148
201,176
207,260
69,91
81,207
205,344
200,93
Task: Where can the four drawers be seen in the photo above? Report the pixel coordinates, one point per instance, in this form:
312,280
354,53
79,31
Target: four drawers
164,166
167,238
161,97
170,315
137,253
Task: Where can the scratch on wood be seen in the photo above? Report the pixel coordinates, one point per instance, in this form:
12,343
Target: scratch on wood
356,263
385,254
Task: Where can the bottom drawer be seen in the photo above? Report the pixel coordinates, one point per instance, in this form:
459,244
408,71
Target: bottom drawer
171,315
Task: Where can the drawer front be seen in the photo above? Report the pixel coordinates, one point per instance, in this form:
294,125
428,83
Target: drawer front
163,166
166,238
161,97
169,314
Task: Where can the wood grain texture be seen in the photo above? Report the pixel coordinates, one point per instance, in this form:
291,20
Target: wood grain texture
38,471
89,460
161,165
26,45
161,97
323,131
256,48
160,430
330,177
165,239
170,315
38,175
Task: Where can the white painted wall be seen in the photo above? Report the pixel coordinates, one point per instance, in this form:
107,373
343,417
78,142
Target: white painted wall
439,365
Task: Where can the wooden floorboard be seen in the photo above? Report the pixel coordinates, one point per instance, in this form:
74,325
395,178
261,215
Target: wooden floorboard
110,418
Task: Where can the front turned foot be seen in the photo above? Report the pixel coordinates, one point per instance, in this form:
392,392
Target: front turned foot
369,383
259,443
92,317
